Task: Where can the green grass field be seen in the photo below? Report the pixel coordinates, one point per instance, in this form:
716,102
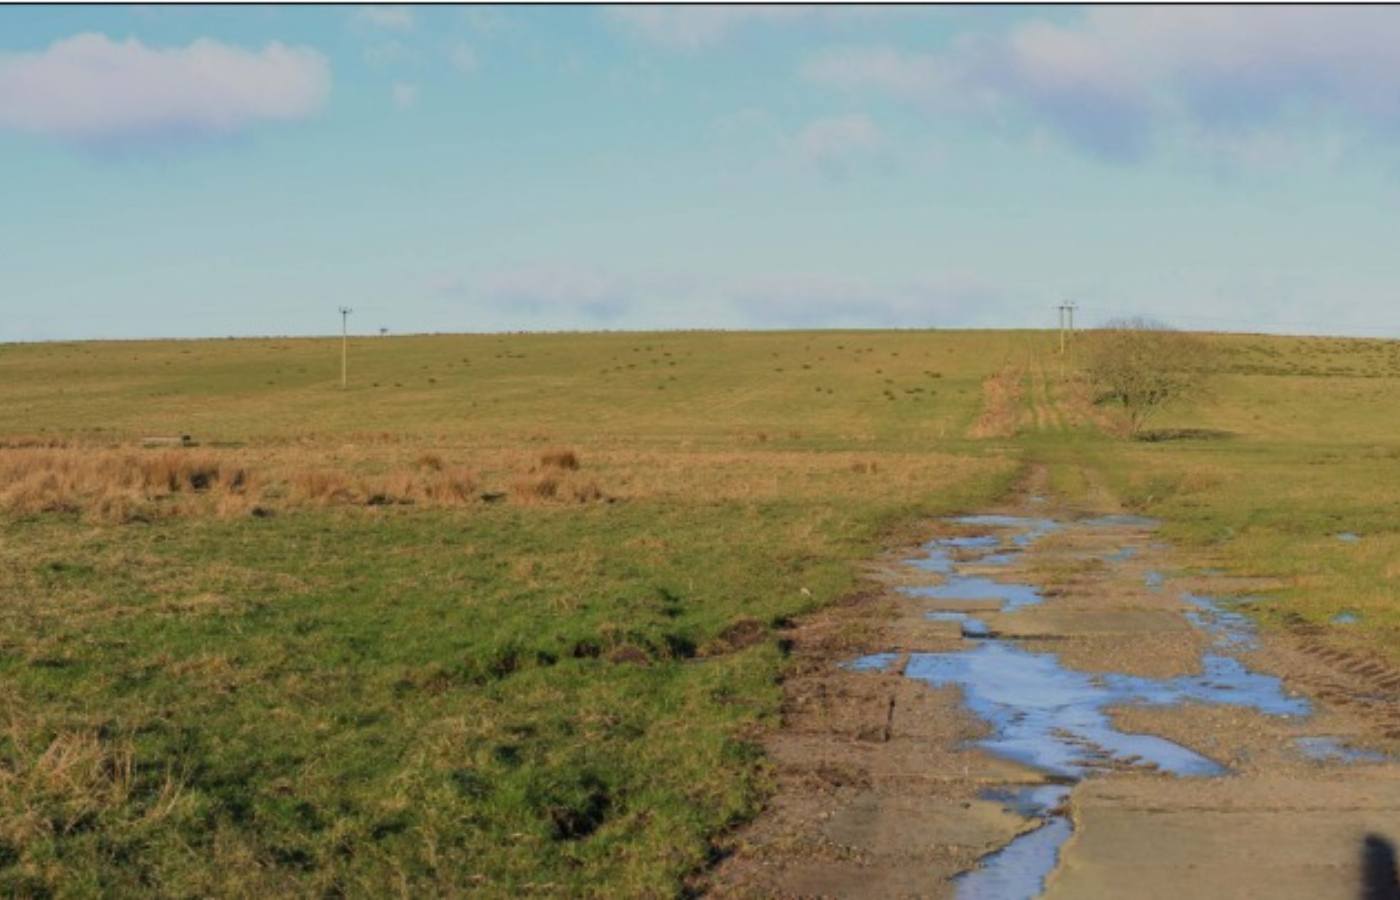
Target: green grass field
275,686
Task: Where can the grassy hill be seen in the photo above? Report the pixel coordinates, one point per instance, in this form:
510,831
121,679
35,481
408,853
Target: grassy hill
501,616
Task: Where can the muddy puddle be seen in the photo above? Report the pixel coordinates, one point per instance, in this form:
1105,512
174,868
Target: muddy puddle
1054,719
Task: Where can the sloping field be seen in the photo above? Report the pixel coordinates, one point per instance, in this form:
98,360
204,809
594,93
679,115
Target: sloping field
506,615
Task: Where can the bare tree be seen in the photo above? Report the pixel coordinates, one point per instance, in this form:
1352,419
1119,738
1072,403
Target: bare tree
1143,366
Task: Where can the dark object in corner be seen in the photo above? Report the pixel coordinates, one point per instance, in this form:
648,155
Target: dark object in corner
1378,875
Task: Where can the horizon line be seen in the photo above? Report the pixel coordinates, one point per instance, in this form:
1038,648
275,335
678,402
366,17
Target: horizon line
641,331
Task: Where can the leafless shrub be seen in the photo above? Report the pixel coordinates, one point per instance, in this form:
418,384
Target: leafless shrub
1142,367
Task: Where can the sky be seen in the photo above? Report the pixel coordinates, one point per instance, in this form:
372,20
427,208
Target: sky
210,171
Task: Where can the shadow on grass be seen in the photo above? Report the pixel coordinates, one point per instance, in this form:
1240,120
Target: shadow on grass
1183,434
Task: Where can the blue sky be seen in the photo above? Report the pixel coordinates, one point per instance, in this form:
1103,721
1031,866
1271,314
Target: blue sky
185,171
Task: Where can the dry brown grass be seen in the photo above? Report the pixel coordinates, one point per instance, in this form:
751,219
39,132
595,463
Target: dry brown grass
123,484
69,782
433,485
29,441
110,485
452,486
587,492
1001,398
105,484
321,486
566,460
534,488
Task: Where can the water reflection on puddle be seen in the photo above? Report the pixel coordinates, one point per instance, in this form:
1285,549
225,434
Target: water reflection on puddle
1055,719
875,662
1029,528
1023,863
974,587
938,559
1231,629
997,559
1328,749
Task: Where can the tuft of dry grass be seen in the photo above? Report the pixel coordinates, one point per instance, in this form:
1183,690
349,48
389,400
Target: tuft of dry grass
73,780
321,486
587,492
118,485
535,488
122,484
565,460
110,485
452,486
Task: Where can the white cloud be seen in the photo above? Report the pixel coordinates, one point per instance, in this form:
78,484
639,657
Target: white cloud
463,58
834,141
553,289
1114,79
396,18
404,94
95,91
883,68
948,299
835,146
574,296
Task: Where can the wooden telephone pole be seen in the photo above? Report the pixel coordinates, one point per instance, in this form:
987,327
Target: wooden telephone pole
1066,315
345,312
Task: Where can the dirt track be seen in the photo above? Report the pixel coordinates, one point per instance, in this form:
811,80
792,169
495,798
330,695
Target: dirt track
888,784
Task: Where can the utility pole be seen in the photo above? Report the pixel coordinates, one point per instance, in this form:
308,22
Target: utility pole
345,312
1066,314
